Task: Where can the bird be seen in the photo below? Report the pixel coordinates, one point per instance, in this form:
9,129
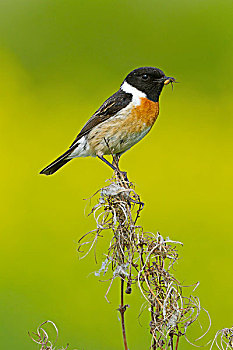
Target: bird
120,122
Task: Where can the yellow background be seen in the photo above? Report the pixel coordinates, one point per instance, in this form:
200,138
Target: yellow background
59,60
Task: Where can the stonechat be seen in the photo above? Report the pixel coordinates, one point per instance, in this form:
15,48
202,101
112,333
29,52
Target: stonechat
122,120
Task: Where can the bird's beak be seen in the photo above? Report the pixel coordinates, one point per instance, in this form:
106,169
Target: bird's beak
168,80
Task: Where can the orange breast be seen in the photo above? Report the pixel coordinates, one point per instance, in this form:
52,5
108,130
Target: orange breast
144,115
124,132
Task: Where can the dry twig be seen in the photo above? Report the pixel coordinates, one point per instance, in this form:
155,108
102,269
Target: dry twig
41,337
141,258
223,339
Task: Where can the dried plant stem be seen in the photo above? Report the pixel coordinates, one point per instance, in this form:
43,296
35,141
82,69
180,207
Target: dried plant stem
42,338
140,258
171,341
122,310
177,341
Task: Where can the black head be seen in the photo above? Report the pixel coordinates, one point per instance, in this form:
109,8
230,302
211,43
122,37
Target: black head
149,80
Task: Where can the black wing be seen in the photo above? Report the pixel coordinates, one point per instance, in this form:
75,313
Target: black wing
109,108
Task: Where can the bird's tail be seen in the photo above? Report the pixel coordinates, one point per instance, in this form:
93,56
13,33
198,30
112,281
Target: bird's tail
57,164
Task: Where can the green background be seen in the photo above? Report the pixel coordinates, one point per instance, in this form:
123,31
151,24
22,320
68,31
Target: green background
59,60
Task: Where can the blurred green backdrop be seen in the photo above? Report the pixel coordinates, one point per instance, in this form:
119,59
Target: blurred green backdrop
59,60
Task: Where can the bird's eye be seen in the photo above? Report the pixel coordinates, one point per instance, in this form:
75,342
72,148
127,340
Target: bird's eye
145,76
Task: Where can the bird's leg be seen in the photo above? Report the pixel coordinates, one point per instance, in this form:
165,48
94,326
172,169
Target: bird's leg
108,163
115,160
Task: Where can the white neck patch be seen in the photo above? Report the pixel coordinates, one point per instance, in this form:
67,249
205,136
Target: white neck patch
137,94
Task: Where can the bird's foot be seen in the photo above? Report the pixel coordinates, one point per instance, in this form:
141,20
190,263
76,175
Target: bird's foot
122,176
125,177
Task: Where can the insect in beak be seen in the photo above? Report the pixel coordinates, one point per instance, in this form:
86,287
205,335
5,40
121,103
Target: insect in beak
169,80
